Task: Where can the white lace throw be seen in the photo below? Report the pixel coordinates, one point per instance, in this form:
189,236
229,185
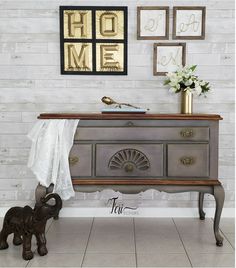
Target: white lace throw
51,144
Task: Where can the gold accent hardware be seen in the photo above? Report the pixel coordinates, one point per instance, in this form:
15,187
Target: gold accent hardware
187,133
186,102
73,160
187,160
110,101
129,167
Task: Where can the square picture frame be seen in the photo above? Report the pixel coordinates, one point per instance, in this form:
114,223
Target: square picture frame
153,23
167,57
189,22
94,40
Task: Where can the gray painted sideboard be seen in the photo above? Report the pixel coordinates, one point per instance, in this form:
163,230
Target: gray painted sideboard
132,153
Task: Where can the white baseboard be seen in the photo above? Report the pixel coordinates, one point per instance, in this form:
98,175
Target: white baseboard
140,212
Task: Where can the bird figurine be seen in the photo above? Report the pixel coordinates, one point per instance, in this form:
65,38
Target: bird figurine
110,101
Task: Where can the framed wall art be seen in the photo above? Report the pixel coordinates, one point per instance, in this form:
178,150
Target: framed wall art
167,57
152,23
189,23
93,40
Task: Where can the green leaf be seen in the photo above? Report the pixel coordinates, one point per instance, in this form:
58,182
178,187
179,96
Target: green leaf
166,82
192,68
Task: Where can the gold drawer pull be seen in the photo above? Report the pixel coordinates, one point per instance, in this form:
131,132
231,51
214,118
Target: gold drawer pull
73,160
187,160
187,133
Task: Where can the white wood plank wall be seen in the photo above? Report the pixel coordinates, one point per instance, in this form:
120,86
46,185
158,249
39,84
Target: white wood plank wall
30,83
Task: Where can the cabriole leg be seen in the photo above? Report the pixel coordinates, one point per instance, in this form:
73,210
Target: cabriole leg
219,195
200,206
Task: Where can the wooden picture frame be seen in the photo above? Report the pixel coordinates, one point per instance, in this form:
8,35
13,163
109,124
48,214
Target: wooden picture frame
153,23
167,57
189,22
93,40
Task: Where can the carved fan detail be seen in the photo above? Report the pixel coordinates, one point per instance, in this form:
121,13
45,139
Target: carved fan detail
128,159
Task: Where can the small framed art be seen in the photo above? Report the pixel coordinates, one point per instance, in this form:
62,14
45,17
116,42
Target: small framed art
189,22
153,23
167,57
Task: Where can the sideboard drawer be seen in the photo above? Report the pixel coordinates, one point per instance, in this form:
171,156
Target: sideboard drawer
80,160
127,160
142,133
188,160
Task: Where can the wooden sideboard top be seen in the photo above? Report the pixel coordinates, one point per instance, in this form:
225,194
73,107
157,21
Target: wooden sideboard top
129,116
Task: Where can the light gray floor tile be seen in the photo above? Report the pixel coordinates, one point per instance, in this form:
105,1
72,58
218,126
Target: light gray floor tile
227,225
157,242
162,260
157,235
231,238
12,260
154,225
204,243
164,243
109,260
193,225
57,260
121,225
111,243
112,235
71,225
212,260
66,243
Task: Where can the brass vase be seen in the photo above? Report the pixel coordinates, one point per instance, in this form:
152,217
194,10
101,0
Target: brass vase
186,102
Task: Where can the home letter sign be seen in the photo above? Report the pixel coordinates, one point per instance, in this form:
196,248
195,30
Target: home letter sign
93,40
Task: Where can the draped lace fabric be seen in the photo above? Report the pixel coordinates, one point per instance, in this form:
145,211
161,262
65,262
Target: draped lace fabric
51,144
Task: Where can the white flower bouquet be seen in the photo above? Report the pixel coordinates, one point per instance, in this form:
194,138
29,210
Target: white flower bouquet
184,79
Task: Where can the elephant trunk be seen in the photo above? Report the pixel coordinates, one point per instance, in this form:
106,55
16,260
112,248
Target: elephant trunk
58,201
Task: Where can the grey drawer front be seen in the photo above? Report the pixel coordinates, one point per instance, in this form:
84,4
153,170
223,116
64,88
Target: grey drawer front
144,133
128,160
80,159
188,160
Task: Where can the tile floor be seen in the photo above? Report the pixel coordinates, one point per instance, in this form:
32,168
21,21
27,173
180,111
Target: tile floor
128,242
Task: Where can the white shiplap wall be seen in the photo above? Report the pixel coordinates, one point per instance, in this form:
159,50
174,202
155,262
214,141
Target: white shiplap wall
30,83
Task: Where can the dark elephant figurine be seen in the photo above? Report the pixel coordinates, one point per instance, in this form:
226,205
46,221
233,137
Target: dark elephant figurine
25,222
